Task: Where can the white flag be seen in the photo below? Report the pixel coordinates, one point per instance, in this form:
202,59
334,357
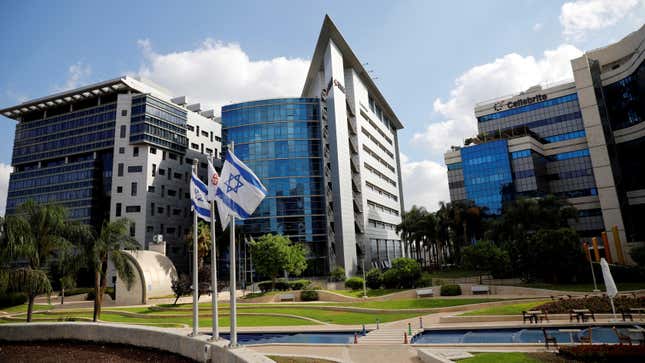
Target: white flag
213,179
610,285
240,191
198,195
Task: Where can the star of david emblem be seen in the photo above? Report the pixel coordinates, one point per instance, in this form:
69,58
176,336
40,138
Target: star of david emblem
233,183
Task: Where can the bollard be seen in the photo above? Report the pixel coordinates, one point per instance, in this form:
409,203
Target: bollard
364,331
377,324
405,338
410,329
355,338
420,322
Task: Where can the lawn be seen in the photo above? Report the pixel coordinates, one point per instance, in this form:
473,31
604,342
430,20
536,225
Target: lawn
625,286
501,358
370,292
283,359
513,309
23,308
418,303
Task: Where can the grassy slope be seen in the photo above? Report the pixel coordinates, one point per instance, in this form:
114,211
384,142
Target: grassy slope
370,292
625,286
513,309
500,358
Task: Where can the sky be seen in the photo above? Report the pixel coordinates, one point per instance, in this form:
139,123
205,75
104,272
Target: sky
432,60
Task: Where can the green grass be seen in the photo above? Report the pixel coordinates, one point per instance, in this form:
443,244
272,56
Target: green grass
370,292
336,317
625,286
281,359
418,303
23,308
513,309
453,274
500,358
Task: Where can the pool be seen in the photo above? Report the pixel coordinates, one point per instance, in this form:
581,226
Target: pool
305,338
520,335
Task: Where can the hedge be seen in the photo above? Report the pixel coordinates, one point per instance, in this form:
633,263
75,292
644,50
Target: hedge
299,284
309,295
354,283
597,304
450,290
603,353
12,299
374,279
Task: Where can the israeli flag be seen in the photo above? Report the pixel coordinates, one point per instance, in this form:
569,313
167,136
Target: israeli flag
239,191
198,198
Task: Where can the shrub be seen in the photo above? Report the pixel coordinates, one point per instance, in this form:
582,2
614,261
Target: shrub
299,284
338,274
354,283
280,285
12,299
407,270
391,279
424,281
181,287
603,353
486,256
309,295
638,255
374,278
597,304
78,291
450,290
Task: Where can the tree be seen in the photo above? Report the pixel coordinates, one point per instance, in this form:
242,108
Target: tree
110,243
273,254
203,241
486,256
32,238
555,255
181,287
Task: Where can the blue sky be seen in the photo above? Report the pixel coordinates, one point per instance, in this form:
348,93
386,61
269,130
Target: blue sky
433,59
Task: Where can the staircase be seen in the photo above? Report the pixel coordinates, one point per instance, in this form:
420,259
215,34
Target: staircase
387,336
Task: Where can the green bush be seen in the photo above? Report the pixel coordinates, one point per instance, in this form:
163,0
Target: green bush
407,270
78,291
309,295
280,285
597,304
374,279
603,353
299,284
354,283
12,299
424,281
337,275
486,256
450,290
638,255
391,279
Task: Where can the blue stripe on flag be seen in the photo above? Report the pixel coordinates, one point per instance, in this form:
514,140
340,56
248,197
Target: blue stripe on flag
231,204
249,177
202,212
200,184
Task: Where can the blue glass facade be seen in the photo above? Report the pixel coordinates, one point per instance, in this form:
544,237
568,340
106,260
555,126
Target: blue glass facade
158,123
487,174
279,139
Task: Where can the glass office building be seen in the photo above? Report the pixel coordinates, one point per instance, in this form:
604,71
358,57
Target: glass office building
279,139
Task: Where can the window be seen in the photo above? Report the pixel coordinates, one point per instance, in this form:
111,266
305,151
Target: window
194,146
119,189
163,155
169,173
170,230
154,169
124,112
176,212
135,151
177,176
201,150
172,156
120,169
118,210
153,150
133,189
163,190
160,210
197,132
152,209
190,127
133,229
135,169
151,189
133,209
162,171
203,165
211,136
204,133
209,151
149,229
172,193
121,150
168,211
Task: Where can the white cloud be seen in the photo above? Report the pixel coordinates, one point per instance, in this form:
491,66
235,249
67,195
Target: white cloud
537,27
581,16
5,170
506,75
425,183
78,74
217,73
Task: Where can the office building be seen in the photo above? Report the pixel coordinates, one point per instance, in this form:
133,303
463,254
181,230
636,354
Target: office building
579,140
329,159
121,148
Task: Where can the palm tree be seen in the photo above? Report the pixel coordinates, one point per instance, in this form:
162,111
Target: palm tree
33,237
203,241
110,244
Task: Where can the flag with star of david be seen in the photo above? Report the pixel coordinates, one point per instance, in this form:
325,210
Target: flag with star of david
239,191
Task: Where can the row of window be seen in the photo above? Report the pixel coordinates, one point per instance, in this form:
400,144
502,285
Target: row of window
380,191
567,136
383,135
286,167
63,143
56,123
70,150
248,114
273,132
378,158
382,208
52,197
40,172
578,193
378,143
278,149
379,174
570,155
382,225
44,180
158,132
376,109
109,125
454,166
520,154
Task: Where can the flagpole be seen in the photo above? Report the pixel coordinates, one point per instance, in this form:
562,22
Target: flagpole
195,281
233,276
214,273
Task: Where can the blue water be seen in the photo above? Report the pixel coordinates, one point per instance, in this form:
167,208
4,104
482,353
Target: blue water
309,338
519,335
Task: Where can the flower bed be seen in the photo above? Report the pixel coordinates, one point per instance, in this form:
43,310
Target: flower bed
604,353
597,304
